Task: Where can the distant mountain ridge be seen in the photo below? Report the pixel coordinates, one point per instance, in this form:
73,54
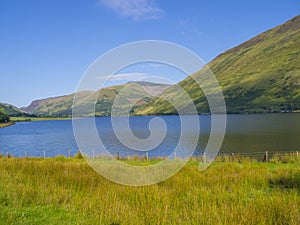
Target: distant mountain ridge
12,110
61,106
259,75
34,104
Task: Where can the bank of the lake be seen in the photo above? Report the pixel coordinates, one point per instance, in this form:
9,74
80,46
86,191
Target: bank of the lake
13,120
69,191
6,124
28,119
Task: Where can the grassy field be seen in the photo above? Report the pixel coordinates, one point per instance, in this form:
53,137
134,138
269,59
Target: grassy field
27,119
68,191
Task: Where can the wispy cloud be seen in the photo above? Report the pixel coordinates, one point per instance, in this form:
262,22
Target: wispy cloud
134,9
124,77
184,22
188,26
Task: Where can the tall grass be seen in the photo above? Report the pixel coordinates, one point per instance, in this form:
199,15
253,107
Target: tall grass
286,158
68,191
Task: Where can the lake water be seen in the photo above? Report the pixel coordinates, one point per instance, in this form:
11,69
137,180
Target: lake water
246,134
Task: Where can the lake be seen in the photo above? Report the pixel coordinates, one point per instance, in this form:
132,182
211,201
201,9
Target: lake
247,134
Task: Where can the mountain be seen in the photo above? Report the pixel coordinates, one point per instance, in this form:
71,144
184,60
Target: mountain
12,110
260,75
62,106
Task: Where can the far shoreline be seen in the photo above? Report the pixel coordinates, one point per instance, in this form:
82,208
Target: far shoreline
33,119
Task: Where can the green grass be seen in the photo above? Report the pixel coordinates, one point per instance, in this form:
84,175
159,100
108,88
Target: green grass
68,191
27,119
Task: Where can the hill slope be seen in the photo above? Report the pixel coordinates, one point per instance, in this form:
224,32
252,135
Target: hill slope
3,116
62,106
12,110
260,75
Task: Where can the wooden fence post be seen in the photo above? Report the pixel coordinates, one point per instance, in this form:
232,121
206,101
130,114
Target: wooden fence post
266,157
147,156
175,156
118,155
25,153
7,155
93,154
44,154
297,153
232,156
69,153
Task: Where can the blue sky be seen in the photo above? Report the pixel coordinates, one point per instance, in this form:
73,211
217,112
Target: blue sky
46,45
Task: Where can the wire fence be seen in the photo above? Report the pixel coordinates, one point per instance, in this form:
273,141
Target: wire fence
222,156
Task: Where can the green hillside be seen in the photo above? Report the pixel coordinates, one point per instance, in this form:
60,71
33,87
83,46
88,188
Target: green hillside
12,110
260,75
3,116
62,106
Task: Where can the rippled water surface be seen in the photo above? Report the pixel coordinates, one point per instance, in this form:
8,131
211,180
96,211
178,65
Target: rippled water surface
245,133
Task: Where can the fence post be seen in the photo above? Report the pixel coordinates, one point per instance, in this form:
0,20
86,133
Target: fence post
297,153
25,153
232,156
7,155
69,153
266,157
147,156
175,156
118,155
44,154
93,154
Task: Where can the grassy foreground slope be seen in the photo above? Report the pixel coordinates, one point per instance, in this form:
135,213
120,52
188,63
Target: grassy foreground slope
68,191
260,75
